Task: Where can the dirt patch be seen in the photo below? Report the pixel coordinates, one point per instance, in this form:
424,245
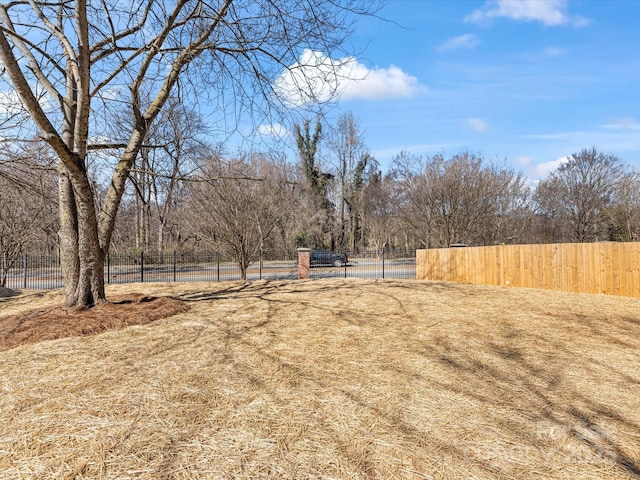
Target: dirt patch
51,323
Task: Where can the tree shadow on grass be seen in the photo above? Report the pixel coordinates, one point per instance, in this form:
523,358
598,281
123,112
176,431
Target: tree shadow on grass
550,409
557,408
519,379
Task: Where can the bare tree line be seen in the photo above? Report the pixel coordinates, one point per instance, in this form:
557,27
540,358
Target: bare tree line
28,206
187,195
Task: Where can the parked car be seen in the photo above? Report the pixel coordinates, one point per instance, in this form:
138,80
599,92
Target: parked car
323,258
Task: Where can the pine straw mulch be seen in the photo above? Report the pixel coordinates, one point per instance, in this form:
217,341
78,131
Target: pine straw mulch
54,322
341,379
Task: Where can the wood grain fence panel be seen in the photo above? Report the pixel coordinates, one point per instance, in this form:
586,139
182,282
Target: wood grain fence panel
552,281
462,266
514,273
530,267
610,268
421,263
437,271
494,266
457,269
581,270
556,273
498,252
527,268
484,256
606,266
611,278
590,266
619,271
574,283
539,272
615,270
626,280
471,266
568,275
634,261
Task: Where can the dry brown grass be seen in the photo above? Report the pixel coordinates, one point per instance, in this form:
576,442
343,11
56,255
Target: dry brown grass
332,379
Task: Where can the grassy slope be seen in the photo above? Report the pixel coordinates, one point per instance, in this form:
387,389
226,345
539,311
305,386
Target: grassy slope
333,379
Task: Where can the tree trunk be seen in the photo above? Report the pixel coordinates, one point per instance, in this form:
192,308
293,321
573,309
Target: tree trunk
68,234
82,258
90,286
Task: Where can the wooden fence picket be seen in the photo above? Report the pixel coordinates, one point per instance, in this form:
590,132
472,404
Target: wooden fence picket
609,267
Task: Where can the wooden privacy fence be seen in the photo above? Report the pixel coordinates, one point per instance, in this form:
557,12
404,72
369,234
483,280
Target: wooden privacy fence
610,268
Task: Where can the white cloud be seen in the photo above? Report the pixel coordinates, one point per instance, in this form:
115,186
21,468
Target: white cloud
549,12
614,137
544,54
273,130
477,124
623,123
318,78
523,161
379,83
554,52
545,168
113,93
468,40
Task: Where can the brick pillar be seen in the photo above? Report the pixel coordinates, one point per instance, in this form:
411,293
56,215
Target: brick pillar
304,255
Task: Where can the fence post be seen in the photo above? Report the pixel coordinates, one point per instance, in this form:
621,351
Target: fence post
260,274
304,263
24,264
383,263
142,267
345,269
174,265
218,258
108,268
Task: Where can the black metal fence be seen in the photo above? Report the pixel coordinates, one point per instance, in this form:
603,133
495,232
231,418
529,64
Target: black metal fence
43,272
372,264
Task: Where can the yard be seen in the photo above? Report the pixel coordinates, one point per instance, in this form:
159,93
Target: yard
326,379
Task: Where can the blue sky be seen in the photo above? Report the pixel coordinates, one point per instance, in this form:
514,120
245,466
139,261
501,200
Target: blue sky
525,82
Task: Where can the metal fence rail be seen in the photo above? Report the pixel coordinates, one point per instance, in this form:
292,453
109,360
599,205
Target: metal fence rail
43,272
37,272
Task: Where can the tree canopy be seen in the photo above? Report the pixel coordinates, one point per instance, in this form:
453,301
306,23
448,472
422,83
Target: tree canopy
73,65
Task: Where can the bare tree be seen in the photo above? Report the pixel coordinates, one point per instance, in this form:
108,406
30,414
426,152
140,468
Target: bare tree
167,158
625,217
461,199
349,160
71,62
379,210
549,210
236,206
27,207
576,196
412,209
